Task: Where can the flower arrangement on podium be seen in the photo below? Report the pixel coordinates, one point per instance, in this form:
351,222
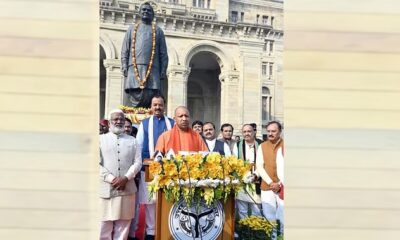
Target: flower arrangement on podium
195,177
136,115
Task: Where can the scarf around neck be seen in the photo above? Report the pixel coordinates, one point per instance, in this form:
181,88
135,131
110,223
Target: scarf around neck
190,136
151,133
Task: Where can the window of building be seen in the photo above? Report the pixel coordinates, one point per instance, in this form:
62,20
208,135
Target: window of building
201,3
257,18
172,1
266,104
271,68
272,21
265,20
265,46
106,3
242,16
264,69
234,16
271,46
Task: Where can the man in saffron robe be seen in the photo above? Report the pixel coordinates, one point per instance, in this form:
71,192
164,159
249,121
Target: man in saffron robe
181,138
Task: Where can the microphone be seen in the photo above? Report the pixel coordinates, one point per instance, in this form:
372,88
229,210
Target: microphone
158,156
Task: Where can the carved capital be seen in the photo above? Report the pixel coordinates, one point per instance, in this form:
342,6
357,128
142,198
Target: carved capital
178,72
112,64
229,77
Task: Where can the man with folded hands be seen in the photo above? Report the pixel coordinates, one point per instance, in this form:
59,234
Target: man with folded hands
119,163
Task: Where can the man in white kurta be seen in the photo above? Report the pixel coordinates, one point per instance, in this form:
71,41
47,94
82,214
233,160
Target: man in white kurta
246,150
119,163
270,167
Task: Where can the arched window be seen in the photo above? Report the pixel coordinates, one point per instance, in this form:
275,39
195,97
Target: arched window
266,105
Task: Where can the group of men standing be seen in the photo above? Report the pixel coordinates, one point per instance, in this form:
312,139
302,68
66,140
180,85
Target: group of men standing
144,62
121,157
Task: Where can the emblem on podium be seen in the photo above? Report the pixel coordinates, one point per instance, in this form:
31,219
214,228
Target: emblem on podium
196,222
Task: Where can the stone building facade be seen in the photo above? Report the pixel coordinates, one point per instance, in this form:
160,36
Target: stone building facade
225,57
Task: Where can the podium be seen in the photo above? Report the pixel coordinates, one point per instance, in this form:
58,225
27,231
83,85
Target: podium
163,208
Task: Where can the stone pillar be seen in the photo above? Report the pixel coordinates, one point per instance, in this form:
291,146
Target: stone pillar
251,84
177,87
278,79
114,87
229,99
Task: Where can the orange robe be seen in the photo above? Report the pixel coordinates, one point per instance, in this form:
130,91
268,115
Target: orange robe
186,141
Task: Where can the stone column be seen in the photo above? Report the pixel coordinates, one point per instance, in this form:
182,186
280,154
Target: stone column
114,87
177,87
251,84
229,98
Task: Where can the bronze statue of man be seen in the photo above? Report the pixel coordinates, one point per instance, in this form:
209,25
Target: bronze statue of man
144,59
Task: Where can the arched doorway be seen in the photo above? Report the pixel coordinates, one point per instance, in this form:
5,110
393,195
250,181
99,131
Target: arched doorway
102,84
204,88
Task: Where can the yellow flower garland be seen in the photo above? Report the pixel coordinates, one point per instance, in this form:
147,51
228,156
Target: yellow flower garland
142,82
193,177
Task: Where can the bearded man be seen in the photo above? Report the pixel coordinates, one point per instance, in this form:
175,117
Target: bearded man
119,163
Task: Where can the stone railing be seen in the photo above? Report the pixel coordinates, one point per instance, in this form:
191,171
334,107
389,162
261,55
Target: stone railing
173,8
203,13
119,18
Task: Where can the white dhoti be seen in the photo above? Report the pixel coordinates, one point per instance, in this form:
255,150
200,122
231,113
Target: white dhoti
273,208
271,202
150,206
117,213
143,192
246,202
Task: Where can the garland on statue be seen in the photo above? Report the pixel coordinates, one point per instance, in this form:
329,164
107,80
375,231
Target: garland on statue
153,50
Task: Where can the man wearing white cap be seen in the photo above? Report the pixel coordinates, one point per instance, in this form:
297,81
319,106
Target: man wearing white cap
119,163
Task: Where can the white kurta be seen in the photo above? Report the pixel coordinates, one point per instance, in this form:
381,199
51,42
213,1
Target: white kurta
118,208
120,156
242,195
